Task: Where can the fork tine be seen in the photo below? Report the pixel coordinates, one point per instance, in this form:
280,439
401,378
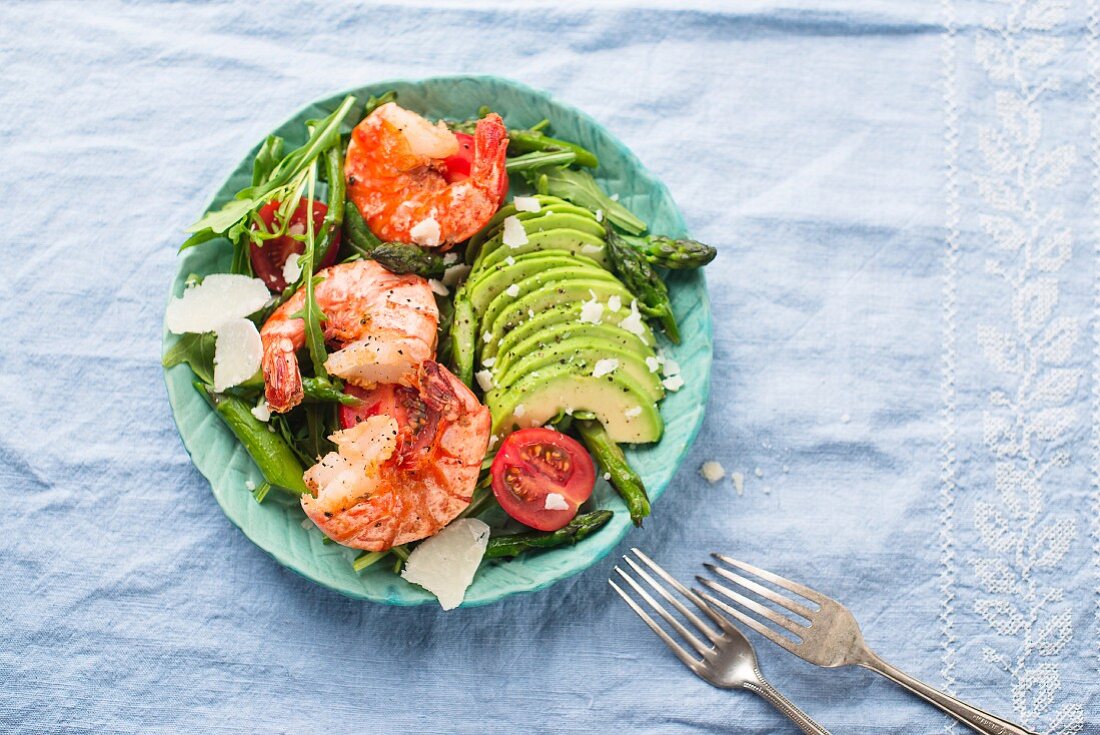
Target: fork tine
775,579
686,634
720,621
763,591
767,612
677,650
753,623
695,619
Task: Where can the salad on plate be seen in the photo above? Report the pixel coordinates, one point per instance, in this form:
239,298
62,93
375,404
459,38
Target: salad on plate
407,349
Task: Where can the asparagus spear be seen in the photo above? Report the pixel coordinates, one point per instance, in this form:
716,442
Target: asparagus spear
321,390
639,277
272,454
397,257
676,254
623,477
579,528
463,338
527,141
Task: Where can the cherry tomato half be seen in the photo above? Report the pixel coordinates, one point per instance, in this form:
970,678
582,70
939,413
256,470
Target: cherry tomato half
458,166
268,261
534,463
415,421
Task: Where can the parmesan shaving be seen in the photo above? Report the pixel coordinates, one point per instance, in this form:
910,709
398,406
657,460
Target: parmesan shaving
513,235
526,204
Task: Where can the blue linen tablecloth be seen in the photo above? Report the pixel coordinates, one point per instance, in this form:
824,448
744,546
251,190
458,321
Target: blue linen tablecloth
907,364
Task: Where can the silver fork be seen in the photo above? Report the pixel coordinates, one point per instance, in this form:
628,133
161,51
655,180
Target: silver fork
728,660
831,637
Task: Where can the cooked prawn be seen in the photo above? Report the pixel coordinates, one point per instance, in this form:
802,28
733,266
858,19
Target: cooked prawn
395,176
405,473
384,324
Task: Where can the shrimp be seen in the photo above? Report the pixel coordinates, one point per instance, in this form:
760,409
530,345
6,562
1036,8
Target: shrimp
403,474
384,324
397,177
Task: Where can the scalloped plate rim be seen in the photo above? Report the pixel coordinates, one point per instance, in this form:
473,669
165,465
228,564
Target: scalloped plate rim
597,553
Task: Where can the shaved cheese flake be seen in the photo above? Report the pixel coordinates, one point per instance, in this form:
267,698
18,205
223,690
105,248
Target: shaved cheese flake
653,364
591,311
292,269
438,287
673,383
455,274
262,410
445,563
671,367
450,258
604,367
526,204
634,323
489,362
486,337
599,215
237,353
426,233
633,412
510,260
513,234
590,249
555,501
484,379
519,410
615,303
220,298
512,290
712,471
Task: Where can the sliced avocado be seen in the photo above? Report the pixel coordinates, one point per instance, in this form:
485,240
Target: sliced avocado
546,204
563,314
573,241
532,283
583,354
483,287
603,334
573,291
543,394
552,220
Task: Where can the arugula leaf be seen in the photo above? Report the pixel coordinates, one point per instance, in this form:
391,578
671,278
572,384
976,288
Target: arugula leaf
267,158
195,350
283,181
220,220
580,188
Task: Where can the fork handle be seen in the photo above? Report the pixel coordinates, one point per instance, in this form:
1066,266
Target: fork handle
784,705
978,720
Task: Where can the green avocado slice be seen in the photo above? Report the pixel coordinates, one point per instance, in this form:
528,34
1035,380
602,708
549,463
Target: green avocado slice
551,331
562,314
547,296
487,285
584,353
546,204
621,406
537,280
573,241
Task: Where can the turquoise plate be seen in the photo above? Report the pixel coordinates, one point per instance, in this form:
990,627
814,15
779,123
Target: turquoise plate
276,527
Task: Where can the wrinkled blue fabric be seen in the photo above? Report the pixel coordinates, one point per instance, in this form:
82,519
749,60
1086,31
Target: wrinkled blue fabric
905,378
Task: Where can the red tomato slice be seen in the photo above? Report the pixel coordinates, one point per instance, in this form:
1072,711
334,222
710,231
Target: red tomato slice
458,166
268,261
400,403
532,464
